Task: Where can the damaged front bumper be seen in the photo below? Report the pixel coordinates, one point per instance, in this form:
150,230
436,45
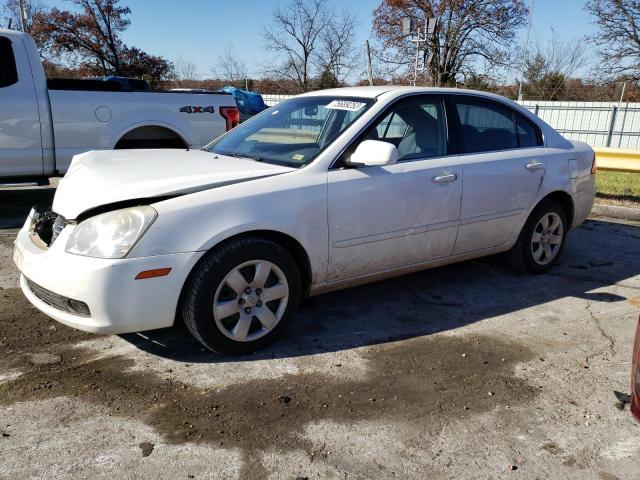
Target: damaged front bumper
98,295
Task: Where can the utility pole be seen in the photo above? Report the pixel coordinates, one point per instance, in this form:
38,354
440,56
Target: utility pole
369,67
420,37
624,88
526,51
23,19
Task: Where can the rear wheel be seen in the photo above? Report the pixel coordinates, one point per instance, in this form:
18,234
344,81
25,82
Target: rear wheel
541,240
241,296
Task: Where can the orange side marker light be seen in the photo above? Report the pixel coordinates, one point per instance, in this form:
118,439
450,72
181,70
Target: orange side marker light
158,272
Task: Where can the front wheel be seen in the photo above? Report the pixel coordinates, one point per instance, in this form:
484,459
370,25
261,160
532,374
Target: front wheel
241,296
541,240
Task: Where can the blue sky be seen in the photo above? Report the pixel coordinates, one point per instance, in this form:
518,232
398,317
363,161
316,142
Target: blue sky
197,30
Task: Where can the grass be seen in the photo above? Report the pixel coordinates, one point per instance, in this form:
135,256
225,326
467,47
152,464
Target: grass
618,186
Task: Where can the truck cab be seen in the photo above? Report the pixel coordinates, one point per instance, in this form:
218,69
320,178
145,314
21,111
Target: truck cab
43,124
26,130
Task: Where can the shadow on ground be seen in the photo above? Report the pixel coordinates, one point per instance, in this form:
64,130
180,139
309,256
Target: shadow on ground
598,255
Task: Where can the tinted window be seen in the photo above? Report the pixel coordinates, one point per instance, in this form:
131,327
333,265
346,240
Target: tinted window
415,127
485,126
8,72
528,135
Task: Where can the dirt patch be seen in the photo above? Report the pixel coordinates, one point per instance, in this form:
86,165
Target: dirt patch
146,448
427,381
24,330
7,241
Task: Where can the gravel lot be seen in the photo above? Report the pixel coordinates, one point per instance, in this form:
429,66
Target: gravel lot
468,371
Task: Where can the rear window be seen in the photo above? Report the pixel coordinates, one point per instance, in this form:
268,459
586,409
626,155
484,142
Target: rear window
486,127
8,71
528,134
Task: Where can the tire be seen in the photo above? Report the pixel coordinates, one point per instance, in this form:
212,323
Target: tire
149,144
530,256
241,296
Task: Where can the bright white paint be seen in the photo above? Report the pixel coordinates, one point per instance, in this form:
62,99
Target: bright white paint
85,120
355,225
102,177
373,153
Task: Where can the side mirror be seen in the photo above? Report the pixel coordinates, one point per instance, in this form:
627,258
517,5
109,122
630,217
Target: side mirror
374,153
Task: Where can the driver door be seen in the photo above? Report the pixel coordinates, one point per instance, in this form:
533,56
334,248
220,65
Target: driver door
20,136
381,218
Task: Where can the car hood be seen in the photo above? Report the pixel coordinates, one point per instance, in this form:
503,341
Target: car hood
99,178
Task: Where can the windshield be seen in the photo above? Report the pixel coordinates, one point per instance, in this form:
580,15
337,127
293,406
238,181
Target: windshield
293,132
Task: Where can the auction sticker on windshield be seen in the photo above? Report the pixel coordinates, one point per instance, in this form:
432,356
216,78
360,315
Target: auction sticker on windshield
346,105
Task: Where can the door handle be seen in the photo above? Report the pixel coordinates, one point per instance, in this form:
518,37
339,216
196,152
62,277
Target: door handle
534,165
450,177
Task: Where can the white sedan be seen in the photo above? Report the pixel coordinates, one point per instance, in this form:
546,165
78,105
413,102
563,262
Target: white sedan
323,191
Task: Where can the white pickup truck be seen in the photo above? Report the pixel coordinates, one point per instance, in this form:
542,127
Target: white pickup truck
44,124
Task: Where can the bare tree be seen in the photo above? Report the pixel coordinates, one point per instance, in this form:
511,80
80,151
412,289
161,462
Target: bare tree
618,37
184,72
467,32
551,66
337,56
230,67
312,42
294,34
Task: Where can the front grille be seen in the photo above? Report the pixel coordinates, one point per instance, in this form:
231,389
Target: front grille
69,305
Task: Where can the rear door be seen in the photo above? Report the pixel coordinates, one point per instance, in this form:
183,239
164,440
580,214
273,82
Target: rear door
20,138
386,217
503,168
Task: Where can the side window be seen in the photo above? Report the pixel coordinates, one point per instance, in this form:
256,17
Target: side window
485,126
415,127
8,71
528,135
392,128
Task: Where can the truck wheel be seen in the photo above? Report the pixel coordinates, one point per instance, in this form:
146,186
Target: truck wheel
241,296
541,240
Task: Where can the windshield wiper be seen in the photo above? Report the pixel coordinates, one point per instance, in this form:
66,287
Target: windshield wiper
245,155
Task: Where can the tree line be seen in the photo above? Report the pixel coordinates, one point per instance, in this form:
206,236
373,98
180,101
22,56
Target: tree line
474,44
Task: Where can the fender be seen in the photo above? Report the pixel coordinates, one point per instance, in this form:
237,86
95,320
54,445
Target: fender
119,127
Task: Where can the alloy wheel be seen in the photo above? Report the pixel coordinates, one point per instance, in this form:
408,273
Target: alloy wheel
251,300
547,238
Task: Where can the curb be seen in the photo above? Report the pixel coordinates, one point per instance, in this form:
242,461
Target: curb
614,211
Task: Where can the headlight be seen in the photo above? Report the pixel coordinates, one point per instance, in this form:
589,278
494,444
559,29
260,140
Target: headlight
111,234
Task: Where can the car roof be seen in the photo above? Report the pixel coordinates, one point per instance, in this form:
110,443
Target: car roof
390,93
393,90
12,33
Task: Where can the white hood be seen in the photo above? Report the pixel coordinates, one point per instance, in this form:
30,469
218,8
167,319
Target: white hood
102,177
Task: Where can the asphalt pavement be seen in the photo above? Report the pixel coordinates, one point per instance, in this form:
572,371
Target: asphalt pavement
467,371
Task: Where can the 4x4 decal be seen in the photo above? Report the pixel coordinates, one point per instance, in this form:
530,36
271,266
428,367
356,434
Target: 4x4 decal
189,109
